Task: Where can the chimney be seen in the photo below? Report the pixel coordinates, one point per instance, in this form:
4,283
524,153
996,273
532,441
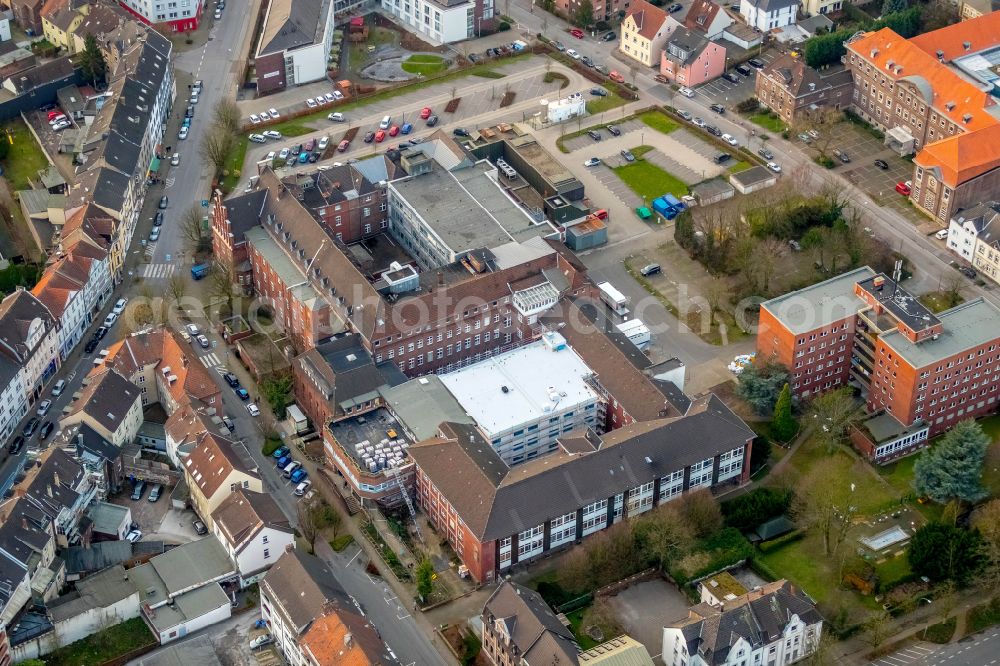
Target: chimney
348,640
24,522
440,279
967,45
55,478
50,490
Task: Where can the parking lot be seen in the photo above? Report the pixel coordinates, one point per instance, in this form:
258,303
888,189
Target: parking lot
645,608
723,92
157,520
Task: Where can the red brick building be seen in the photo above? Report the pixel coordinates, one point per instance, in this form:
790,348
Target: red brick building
919,373
496,517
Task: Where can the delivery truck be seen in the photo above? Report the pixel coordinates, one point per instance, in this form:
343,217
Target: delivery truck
613,298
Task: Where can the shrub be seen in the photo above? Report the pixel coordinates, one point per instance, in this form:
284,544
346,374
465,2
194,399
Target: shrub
757,506
724,549
942,632
503,27
341,542
553,593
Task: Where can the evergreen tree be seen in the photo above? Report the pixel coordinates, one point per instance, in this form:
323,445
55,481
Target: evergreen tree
91,60
760,385
783,425
944,552
953,469
425,579
893,6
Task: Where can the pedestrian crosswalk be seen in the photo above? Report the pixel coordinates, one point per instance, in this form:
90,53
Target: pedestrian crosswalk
158,271
210,360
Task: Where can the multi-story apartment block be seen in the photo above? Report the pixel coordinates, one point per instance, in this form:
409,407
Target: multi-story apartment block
214,471
29,338
920,373
973,235
524,400
166,15
791,88
973,9
110,405
444,22
496,517
930,95
644,32
775,624
294,43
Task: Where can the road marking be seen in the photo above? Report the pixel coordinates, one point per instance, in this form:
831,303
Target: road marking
355,556
169,183
210,360
157,271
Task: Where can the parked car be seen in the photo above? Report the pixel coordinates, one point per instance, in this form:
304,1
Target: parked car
30,427
16,445
713,130
674,8
616,76
722,158
164,202
283,461
650,269
183,133
458,131
302,488
394,130
615,131
609,36
661,79
687,92
380,136
154,235
718,108
241,393
154,493
138,489
274,113
587,61
175,159
120,305
432,121
299,475
842,156
261,641
58,388
744,70
272,134
228,422
280,452
684,114
135,535
766,154
253,410
558,46
343,145
628,156
336,117
328,98
903,189
592,162
730,139
369,137
110,320
199,528
598,92
882,164
91,345
576,32
774,166
729,76
254,118
311,103
231,379
698,122
324,141
43,407
942,234
601,69
100,332
596,136
573,54
203,342
290,468
756,63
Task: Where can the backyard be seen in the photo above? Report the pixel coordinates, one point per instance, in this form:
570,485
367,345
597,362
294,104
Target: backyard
769,121
24,158
103,646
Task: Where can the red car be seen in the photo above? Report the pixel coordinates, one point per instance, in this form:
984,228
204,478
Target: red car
343,145
379,136
903,189
394,130
576,32
55,114
425,113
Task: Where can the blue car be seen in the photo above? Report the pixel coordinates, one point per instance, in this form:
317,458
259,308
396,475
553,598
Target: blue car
186,123
303,157
283,462
406,128
299,475
280,452
242,393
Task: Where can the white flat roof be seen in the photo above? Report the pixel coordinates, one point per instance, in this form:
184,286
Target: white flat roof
539,382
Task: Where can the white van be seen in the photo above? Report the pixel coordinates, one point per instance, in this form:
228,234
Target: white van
687,92
57,389
386,121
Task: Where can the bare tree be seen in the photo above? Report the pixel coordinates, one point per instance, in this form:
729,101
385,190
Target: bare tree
226,116
190,227
717,294
176,288
832,413
821,121
765,255
308,514
877,629
220,285
823,503
987,520
664,535
215,148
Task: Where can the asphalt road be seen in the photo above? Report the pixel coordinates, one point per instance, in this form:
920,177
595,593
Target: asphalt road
983,649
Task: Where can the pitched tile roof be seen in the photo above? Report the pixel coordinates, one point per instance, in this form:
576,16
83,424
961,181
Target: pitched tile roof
964,156
941,86
495,501
290,24
107,398
18,312
304,588
533,627
53,487
245,513
341,637
211,462
701,14
647,17
980,33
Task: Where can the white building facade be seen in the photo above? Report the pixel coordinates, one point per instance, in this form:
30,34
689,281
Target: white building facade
766,15
441,22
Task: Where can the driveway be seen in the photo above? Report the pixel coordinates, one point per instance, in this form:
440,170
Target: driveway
644,609
723,92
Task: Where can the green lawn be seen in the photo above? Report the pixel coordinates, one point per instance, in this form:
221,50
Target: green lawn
650,181
601,104
893,569
658,121
424,64
639,151
293,128
575,619
103,646
234,165
769,121
991,468
24,155
938,301
742,165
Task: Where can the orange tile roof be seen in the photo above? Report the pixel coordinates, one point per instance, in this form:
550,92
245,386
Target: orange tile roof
330,642
648,18
964,156
909,61
211,462
980,33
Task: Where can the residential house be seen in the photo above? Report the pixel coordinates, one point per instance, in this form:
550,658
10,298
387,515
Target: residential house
295,39
776,624
100,20
49,75
166,16
520,628
644,32
254,531
110,404
15,593
313,621
59,19
27,536
92,225
13,405
708,18
792,89
766,15
819,7
74,287
213,471
30,338
690,59
27,14
95,452
496,517
62,489
603,9
974,235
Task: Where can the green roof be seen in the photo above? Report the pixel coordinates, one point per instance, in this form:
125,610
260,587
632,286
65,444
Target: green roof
774,528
